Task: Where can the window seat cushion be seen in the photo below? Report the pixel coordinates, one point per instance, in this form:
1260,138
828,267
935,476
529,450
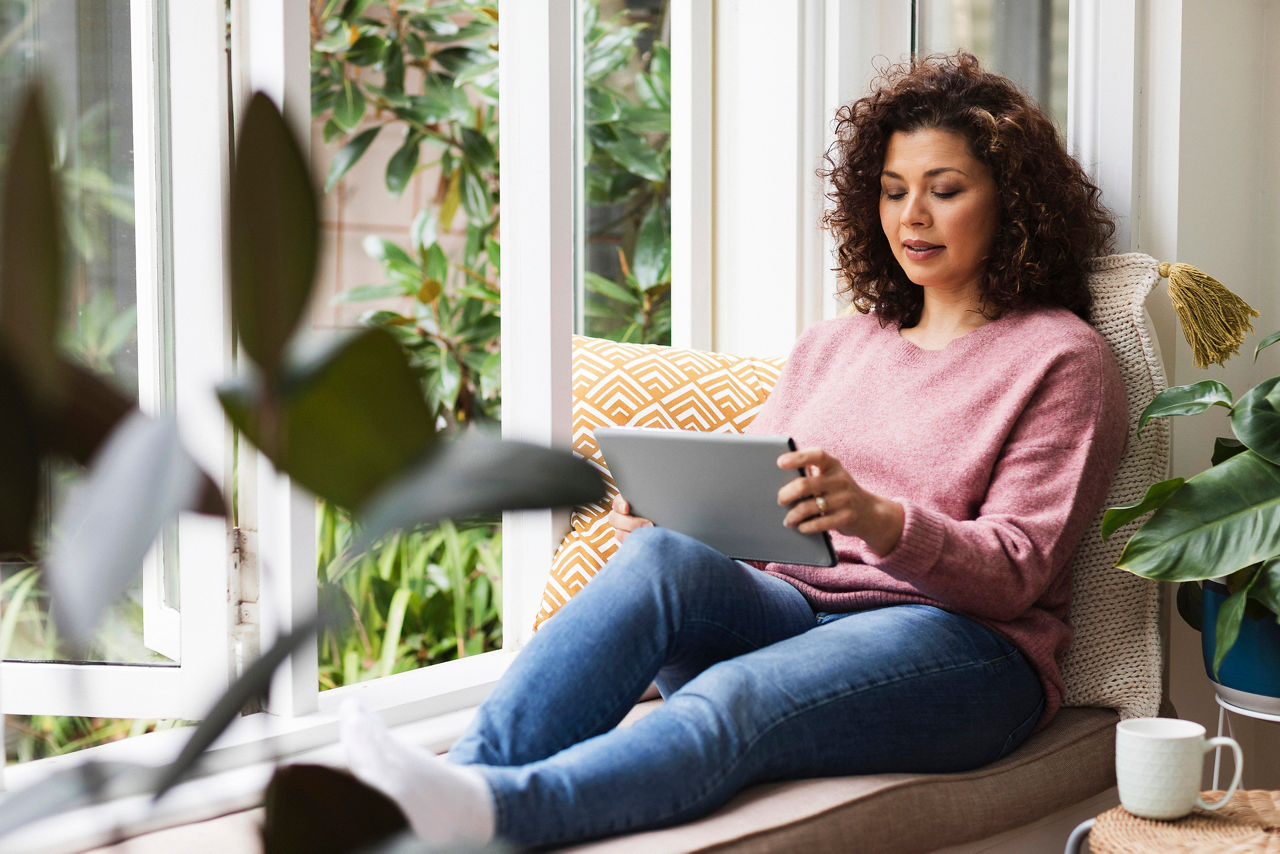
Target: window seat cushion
1067,762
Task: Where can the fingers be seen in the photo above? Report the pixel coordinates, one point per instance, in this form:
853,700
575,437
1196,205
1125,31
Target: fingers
823,475
820,500
622,521
810,515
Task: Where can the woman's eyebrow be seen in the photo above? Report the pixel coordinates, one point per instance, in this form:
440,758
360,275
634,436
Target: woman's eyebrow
929,174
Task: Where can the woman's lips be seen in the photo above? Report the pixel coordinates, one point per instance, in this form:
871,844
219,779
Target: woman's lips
918,250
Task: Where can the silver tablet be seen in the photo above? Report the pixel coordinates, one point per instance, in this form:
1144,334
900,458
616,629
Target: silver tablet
721,488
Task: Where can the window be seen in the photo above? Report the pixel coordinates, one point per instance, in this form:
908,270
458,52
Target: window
136,227
405,123
1025,41
624,290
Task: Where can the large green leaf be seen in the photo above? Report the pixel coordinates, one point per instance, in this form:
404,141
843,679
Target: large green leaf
478,474
633,153
348,155
30,257
598,284
477,148
348,112
1221,520
458,59
1224,448
1156,495
1227,630
609,53
1256,419
1265,343
1186,400
601,106
1266,590
142,478
653,247
476,198
366,50
350,416
273,234
402,164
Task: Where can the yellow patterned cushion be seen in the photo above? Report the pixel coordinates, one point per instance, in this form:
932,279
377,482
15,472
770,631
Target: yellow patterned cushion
644,385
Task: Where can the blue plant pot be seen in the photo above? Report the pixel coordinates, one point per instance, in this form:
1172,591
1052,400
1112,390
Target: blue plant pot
1250,672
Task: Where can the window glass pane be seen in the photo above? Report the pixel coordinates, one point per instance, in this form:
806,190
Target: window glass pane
81,52
405,136
1025,40
624,288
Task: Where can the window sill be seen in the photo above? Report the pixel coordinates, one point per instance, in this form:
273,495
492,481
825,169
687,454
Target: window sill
428,707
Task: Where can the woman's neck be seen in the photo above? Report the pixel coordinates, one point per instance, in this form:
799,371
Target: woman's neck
944,319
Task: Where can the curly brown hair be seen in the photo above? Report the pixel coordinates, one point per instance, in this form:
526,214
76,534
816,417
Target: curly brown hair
1051,217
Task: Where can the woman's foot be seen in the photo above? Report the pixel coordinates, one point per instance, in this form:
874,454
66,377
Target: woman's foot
443,802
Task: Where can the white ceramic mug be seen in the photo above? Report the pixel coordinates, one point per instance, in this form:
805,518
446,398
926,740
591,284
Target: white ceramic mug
1158,766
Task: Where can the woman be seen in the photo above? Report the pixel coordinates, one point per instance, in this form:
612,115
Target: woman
958,435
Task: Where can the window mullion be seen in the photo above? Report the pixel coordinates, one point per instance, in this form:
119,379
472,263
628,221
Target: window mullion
536,91
271,54
201,349
692,109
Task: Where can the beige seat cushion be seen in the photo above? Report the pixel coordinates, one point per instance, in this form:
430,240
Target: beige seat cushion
1069,761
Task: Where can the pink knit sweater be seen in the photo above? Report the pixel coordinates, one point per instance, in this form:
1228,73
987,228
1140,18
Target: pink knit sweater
1000,447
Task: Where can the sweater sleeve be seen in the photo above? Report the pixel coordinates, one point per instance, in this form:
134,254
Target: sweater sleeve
1049,481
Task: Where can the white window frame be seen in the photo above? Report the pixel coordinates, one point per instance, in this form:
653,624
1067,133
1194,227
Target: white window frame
197,73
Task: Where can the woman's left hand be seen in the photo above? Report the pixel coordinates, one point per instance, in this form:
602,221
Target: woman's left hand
827,498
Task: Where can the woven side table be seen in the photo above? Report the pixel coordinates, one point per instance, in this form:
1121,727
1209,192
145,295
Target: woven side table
1249,824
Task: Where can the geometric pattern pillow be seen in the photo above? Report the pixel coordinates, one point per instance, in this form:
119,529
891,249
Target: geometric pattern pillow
643,385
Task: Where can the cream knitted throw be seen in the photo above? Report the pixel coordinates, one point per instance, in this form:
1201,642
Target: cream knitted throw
1114,660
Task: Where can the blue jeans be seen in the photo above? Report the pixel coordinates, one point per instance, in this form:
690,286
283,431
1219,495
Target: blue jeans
757,687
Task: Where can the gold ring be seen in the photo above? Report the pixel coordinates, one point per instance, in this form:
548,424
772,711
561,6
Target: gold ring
822,505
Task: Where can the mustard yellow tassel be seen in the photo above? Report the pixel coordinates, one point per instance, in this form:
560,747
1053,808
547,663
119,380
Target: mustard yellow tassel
1214,320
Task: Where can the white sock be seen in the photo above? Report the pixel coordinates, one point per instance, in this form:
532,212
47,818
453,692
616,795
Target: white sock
443,802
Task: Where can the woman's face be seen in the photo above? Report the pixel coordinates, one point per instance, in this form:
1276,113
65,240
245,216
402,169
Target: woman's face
938,209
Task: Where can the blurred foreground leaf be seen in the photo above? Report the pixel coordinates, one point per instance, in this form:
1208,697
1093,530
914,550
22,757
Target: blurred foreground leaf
72,788
30,257
102,532
478,474
253,684
273,234
349,417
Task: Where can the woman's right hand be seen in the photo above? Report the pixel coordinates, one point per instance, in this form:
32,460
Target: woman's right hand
622,521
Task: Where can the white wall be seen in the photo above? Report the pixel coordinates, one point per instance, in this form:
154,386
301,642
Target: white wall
1211,158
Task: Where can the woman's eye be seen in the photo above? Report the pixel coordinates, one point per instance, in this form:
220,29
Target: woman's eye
945,194
894,196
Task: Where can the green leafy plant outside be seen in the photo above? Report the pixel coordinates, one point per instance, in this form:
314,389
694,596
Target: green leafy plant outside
1220,523
427,73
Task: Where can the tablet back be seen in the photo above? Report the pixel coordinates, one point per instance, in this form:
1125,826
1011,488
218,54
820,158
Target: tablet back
721,488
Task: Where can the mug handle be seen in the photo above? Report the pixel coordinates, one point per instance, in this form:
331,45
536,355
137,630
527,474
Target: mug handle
1223,741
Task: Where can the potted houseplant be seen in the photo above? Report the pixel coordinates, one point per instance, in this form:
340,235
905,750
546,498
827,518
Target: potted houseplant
1218,532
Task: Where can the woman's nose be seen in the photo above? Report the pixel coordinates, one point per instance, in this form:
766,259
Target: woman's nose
915,212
